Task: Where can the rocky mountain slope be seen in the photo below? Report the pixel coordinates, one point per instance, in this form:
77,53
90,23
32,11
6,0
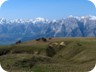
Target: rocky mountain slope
23,29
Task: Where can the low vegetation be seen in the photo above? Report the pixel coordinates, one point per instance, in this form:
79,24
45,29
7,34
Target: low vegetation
53,55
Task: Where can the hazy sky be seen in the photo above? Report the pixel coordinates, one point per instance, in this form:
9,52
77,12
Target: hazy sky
51,9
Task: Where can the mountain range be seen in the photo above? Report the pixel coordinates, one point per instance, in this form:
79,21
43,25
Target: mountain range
29,29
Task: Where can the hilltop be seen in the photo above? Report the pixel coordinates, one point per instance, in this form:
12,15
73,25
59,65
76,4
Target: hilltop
51,55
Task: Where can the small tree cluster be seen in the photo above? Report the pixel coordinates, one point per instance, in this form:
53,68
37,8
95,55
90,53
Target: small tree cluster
42,39
18,42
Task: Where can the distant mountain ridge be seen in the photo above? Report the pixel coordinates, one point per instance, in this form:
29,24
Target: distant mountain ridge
23,29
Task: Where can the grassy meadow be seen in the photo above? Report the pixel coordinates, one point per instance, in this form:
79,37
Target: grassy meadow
76,55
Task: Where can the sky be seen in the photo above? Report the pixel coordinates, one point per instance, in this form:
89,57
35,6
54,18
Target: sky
50,9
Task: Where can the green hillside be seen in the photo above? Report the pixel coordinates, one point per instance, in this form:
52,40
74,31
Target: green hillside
52,55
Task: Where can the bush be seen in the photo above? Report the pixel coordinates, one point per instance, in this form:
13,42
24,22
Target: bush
50,51
44,39
4,51
18,42
38,39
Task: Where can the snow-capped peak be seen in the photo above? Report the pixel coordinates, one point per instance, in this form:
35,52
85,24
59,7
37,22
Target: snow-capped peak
44,20
93,18
90,17
70,16
39,19
2,20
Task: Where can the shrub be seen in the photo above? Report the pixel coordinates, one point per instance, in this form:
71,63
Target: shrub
38,39
50,51
44,39
4,51
18,42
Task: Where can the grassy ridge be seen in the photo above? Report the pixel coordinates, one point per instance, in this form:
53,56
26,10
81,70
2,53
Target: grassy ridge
79,55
